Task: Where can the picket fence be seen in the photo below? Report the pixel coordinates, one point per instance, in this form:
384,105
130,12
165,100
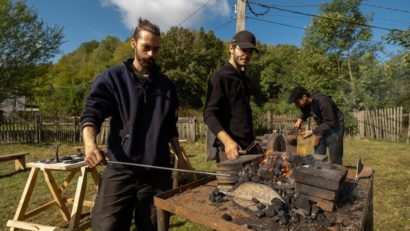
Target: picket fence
384,124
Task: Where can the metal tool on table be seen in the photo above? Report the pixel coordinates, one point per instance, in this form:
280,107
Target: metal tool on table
246,151
168,169
362,171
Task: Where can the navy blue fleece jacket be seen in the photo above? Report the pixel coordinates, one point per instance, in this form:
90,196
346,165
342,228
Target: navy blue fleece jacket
143,115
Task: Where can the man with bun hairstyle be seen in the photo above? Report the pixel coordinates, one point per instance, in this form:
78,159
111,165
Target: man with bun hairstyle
142,103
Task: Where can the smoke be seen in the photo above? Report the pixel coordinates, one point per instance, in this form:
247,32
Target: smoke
168,13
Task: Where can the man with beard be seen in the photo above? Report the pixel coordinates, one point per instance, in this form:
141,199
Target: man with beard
227,109
329,119
142,103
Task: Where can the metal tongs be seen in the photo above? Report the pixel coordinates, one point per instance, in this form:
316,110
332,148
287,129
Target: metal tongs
244,152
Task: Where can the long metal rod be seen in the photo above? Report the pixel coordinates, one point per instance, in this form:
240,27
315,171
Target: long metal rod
169,169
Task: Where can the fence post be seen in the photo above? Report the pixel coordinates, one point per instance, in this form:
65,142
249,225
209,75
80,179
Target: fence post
408,128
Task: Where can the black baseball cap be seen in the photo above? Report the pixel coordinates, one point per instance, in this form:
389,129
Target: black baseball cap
245,40
297,93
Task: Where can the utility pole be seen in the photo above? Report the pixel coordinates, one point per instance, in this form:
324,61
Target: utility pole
240,15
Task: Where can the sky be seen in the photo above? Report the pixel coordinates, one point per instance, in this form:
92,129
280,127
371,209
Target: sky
87,20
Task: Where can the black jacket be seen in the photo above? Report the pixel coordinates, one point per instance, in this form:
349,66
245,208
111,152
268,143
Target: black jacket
143,115
227,105
325,112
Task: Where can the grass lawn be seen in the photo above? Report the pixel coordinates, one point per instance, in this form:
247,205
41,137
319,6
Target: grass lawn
390,161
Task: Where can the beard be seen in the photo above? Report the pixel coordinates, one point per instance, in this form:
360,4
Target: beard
147,63
239,62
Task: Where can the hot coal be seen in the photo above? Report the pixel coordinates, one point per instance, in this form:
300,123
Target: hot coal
256,201
270,211
275,171
294,218
315,212
259,213
260,206
216,196
283,220
227,217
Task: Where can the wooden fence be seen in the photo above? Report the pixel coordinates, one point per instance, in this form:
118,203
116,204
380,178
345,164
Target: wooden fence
40,130
384,124
389,124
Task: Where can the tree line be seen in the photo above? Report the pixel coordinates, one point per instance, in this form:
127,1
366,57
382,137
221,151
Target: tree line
336,57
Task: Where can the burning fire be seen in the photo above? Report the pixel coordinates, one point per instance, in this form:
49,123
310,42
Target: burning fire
275,164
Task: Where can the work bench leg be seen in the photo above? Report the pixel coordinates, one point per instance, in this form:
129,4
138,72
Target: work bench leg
162,220
25,198
56,193
79,199
20,163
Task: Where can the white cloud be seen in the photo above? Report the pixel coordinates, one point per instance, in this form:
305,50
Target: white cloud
167,13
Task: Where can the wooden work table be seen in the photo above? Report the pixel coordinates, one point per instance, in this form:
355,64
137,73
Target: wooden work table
191,202
73,217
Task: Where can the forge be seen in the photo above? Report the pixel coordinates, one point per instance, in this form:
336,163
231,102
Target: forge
279,189
283,185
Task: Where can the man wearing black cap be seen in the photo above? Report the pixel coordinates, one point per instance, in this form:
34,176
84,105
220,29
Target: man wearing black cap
330,121
227,109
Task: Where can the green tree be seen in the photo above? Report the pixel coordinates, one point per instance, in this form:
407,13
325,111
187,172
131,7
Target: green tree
26,44
400,37
188,57
333,47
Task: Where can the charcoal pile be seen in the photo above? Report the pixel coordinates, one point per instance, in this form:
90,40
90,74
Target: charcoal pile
267,189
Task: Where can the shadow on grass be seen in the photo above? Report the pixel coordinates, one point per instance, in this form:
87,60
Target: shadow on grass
13,173
177,224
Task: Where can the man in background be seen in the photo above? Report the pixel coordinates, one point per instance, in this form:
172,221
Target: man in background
329,119
227,111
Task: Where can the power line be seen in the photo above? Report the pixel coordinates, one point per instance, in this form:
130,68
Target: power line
277,23
224,24
386,8
317,16
298,27
190,16
318,5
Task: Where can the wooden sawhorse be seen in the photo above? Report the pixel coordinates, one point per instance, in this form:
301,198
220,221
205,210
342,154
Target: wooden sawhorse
78,201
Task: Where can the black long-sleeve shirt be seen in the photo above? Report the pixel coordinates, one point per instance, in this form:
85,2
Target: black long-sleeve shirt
143,115
227,105
325,112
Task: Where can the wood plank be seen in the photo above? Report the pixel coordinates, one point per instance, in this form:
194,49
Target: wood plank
27,192
39,209
32,226
315,191
56,193
327,178
56,166
78,199
195,216
13,156
326,205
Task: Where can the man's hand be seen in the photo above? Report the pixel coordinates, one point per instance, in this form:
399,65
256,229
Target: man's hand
231,147
307,134
94,156
298,123
231,150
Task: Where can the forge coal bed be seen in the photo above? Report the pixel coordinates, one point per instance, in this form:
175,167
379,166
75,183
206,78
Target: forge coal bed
191,202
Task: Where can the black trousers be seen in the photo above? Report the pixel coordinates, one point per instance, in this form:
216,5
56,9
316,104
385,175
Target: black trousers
333,139
122,196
